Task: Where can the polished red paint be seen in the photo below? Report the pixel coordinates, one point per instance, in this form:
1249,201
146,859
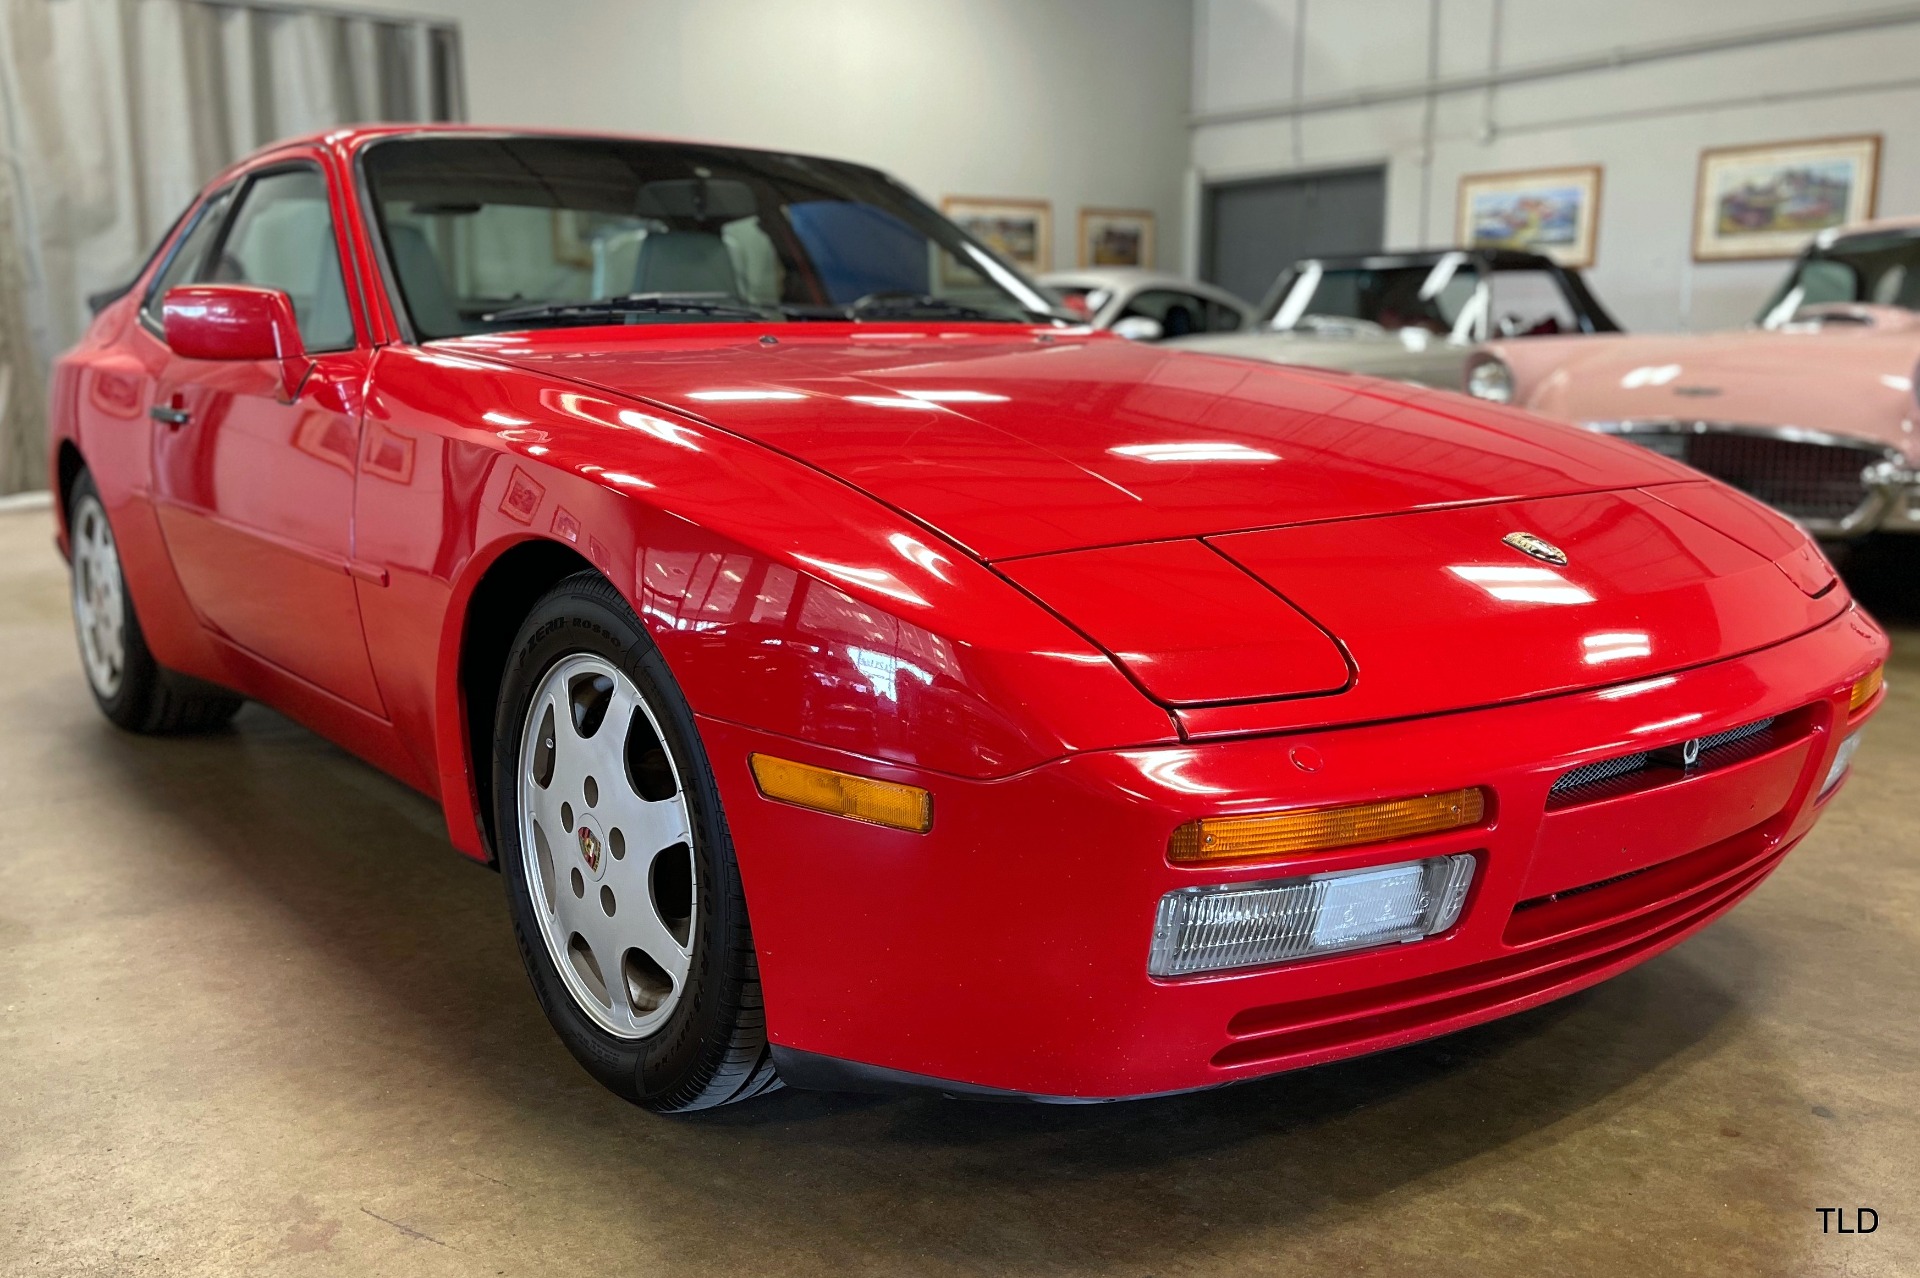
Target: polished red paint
1187,623
1023,444
235,322
1029,570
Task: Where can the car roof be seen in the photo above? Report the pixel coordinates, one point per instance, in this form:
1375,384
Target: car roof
1128,279
1115,277
350,138
1909,224
1493,258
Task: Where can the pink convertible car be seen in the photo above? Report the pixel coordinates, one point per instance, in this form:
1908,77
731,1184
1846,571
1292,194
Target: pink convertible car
1812,411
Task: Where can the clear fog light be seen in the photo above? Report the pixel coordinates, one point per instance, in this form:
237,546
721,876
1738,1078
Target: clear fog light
1207,929
1842,760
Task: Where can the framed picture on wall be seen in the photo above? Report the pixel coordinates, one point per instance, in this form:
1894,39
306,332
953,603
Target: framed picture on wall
1019,230
1769,200
1116,237
1551,211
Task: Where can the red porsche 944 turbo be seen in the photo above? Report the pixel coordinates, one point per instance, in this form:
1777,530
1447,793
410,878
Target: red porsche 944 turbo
863,677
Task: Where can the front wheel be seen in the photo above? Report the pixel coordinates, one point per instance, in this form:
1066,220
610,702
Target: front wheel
620,875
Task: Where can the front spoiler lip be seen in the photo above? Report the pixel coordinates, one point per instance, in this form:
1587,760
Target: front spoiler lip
814,1072
1892,502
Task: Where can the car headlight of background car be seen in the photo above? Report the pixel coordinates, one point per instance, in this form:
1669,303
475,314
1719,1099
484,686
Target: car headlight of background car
1488,377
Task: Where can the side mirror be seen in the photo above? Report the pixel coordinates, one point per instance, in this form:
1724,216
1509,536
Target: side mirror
1138,328
236,322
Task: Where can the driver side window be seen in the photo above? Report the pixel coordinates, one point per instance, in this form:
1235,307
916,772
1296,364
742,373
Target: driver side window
184,266
282,237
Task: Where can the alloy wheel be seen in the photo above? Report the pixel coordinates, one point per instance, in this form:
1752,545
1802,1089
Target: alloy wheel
607,839
99,610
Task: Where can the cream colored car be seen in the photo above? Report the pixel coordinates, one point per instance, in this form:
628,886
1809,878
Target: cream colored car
1414,317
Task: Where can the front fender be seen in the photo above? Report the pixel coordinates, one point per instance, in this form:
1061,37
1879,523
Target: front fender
781,598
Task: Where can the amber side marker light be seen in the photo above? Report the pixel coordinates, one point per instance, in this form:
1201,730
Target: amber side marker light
1864,688
888,803
1319,829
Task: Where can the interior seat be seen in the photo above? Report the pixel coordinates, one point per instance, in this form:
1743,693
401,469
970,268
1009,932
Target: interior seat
685,262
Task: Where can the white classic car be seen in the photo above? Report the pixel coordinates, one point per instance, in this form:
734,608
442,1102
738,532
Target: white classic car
1147,305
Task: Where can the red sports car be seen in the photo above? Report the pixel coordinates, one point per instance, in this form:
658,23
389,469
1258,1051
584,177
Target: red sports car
865,678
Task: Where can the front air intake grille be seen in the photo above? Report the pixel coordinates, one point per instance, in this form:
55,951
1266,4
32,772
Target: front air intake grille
1625,773
1605,770
1813,480
1708,745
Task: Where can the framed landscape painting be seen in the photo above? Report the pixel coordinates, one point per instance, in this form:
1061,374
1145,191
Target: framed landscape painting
1550,211
1769,200
1116,237
1019,230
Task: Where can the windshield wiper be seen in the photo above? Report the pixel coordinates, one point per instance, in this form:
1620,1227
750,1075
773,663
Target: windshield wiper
910,304
631,304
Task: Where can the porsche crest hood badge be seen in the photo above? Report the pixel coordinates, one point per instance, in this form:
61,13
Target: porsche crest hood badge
1538,547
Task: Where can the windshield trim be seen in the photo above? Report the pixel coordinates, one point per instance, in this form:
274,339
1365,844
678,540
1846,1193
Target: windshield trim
1028,294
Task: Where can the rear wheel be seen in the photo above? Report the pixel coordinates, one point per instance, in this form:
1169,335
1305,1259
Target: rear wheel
620,875
131,688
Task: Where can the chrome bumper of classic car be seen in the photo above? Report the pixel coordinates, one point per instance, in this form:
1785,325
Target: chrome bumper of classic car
1833,486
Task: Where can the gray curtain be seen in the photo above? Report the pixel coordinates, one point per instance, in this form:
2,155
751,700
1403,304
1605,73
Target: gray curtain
113,113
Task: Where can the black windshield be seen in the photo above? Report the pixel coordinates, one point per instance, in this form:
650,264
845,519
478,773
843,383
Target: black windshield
1451,295
1427,295
1882,269
490,233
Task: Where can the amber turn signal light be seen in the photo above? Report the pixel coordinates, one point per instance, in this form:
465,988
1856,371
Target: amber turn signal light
888,803
1864,688
1320,829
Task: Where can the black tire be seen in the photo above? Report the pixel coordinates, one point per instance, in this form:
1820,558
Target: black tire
147,697
712,1048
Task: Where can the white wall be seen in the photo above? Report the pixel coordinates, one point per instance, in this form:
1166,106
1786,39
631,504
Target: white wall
1079,102
1644,124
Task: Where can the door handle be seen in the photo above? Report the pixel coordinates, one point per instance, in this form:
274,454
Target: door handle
175,417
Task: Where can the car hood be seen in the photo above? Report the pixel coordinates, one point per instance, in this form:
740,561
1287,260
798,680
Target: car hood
1846,380
1439,610
1032,442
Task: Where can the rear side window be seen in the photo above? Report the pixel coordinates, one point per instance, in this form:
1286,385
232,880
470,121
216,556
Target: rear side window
184,266
282,237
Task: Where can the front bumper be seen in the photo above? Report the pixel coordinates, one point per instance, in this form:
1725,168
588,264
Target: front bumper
1006,950
1837,487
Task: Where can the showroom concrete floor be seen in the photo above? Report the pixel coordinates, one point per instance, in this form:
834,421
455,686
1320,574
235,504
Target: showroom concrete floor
258,1018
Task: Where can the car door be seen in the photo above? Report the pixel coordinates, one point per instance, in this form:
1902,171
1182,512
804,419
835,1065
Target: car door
254,489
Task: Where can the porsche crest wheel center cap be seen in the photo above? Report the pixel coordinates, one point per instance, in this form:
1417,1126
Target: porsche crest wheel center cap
1537,547
593,850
